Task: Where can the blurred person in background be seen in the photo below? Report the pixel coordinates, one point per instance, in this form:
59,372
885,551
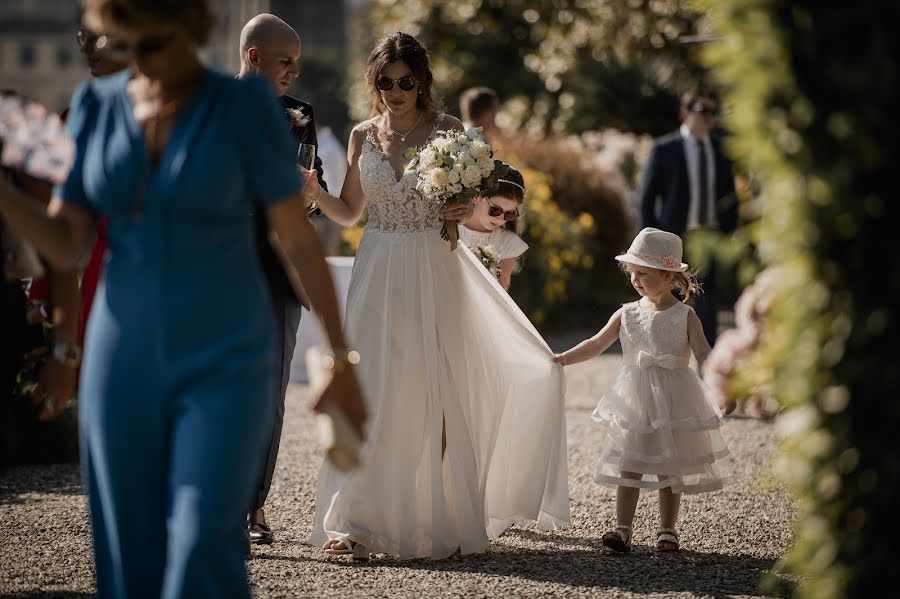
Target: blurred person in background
688,184
478,107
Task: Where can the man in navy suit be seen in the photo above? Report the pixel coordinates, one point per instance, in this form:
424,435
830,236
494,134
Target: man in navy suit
270,49
688,183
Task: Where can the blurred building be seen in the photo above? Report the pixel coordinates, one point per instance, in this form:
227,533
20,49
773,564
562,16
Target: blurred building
39,56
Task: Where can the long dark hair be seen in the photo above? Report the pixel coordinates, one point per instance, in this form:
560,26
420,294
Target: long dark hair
511,186
403,47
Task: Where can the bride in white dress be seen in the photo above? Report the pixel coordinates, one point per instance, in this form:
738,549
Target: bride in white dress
467,433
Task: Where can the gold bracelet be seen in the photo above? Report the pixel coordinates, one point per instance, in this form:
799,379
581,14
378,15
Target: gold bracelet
340,360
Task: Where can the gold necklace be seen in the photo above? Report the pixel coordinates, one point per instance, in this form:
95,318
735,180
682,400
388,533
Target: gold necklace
403,135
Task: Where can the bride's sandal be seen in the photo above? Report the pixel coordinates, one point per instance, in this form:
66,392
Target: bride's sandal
359,551
618,540
667,540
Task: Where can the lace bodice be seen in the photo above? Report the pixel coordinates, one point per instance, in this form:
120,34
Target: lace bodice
663,332
394,206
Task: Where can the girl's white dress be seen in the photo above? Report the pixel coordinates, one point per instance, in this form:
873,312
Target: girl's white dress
442,346
656,419
505,243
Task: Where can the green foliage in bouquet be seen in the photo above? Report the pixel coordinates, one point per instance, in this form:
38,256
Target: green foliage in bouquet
812,89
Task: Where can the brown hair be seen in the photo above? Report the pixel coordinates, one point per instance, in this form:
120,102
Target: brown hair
512,186
403,47
697,93
685,283
195,17
476,101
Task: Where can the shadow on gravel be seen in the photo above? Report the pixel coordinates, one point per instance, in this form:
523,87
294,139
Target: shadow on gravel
47,595
643,571
58,479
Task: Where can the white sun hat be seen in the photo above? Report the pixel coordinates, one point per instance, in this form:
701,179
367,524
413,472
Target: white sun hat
655,249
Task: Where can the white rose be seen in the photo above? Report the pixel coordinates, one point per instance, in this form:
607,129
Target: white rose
438,178
464,158
473,133
478,150
456,188
453,176
471,176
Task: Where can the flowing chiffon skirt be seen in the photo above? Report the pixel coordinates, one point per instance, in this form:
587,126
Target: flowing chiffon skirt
444,348
659,423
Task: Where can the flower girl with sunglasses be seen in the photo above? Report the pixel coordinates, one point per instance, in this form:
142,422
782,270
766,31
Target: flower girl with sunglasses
659,429
492,225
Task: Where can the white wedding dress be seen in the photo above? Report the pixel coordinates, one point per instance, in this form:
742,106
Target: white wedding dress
442,345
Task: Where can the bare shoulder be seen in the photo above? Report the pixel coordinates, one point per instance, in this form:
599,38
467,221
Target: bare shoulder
448,122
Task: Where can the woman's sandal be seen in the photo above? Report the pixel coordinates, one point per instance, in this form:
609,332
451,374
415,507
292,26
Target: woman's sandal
359,552
667,540
618,540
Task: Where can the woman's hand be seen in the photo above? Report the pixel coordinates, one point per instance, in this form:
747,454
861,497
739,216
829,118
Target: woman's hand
561,359
344,391
456,211
728,406
312,189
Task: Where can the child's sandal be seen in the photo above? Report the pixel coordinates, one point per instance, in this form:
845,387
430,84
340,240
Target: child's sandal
667,540
618,540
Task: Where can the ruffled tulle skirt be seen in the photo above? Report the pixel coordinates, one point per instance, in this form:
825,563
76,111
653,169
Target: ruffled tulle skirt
444,348
659,429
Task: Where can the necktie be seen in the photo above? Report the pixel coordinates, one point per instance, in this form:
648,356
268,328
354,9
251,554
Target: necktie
703,195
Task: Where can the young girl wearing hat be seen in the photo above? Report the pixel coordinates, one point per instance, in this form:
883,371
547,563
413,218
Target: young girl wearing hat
659,429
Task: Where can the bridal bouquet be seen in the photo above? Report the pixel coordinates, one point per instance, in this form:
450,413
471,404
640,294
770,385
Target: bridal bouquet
489,259
455,167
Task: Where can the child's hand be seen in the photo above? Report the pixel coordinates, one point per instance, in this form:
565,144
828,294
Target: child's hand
728,406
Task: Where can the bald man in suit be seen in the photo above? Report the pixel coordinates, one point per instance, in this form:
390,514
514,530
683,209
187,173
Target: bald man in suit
270,49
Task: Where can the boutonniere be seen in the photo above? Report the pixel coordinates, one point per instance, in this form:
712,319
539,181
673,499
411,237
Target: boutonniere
298,119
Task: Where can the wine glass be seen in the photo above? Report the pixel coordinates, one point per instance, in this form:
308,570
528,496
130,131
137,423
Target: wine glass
306,158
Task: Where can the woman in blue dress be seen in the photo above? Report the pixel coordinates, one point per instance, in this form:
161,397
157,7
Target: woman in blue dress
180,363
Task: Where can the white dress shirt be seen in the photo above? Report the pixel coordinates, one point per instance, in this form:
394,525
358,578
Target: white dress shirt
691,154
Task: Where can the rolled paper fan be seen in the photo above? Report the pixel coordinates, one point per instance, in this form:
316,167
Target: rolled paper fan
34,140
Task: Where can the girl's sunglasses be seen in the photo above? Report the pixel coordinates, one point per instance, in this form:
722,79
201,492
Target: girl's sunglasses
406,83
495,211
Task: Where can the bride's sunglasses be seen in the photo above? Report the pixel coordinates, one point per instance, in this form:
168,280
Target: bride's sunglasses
495,211
406,83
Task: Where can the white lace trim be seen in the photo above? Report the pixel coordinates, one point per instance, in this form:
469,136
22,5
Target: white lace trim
394,205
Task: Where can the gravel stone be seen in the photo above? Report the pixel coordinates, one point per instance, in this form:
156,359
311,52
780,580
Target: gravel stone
729,538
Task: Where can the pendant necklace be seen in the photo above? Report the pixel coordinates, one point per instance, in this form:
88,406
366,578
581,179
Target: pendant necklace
402,136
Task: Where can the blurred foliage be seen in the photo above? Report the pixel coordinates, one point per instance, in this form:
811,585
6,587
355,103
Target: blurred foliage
575,64
578,219
552,283
813,93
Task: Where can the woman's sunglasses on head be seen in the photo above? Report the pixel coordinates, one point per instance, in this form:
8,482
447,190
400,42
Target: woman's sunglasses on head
406,83
495,211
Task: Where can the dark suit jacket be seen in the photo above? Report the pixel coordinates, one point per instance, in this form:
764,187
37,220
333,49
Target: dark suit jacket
275,276
665,193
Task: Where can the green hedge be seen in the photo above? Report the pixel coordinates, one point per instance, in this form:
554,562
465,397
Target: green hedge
813,95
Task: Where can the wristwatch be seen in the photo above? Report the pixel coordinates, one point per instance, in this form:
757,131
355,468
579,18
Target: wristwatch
341,359
67,354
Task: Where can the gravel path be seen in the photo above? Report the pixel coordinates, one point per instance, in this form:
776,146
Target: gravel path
730,537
